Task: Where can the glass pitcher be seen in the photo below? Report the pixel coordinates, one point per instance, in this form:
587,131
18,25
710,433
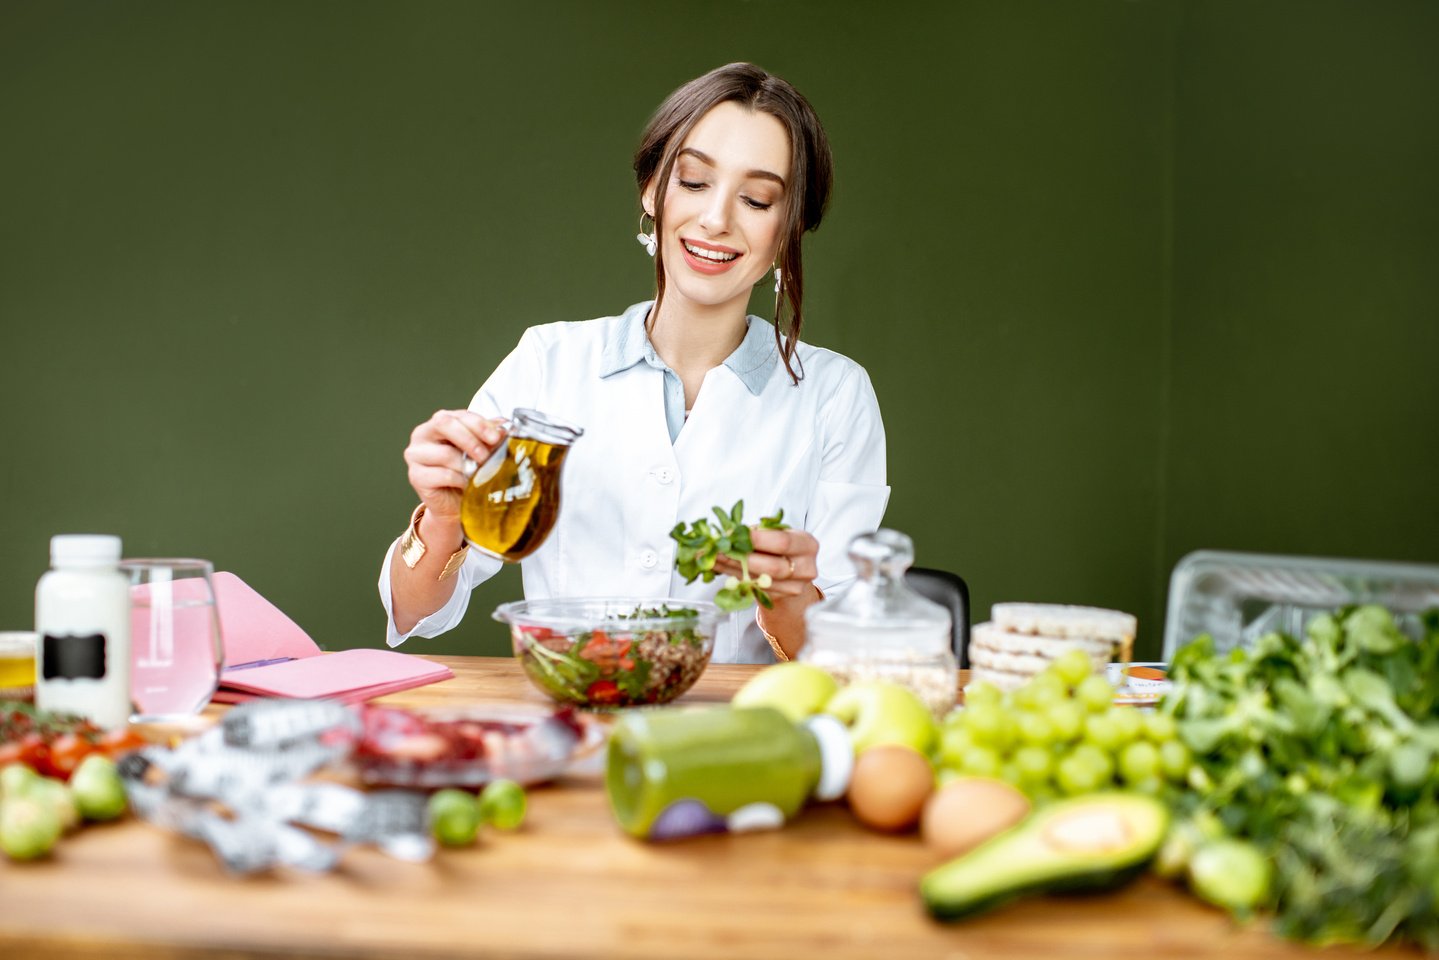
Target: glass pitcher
512,500
880,629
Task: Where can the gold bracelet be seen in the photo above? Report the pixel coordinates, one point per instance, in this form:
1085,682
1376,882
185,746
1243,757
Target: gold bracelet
773,640
412,548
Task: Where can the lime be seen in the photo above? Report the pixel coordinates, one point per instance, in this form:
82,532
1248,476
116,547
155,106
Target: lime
454,817
502,804
1231,874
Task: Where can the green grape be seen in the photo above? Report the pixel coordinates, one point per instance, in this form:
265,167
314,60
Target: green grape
1023,698
502,804
982,693
1139,761
1129,723
1034,764
1098,760
1153,786
454,817
1066,720
1009,773
1034,729
1075,776
984,724
1174,760
954,742
1041,794
1102,730
1072,666
953,719
944,775
981,762
1095,694
1047,688
1159,727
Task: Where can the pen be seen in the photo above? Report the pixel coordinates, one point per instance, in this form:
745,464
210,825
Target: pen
258,663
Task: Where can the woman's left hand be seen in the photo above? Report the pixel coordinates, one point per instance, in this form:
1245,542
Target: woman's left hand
790,557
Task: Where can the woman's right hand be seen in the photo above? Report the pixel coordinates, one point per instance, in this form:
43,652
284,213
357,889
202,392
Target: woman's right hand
436,457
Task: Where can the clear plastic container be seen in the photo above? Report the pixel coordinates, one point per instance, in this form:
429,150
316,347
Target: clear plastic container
1238,597
879,629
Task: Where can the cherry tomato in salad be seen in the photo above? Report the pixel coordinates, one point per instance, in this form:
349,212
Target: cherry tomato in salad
603,692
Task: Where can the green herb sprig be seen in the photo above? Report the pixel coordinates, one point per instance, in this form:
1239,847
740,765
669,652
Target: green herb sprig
703,543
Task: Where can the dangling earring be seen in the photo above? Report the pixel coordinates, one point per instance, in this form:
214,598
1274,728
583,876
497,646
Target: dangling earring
647,240
778,279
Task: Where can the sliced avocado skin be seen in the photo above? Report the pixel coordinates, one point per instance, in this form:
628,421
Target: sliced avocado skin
977,881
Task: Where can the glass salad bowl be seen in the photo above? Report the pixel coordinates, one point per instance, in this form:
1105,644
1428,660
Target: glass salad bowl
598,652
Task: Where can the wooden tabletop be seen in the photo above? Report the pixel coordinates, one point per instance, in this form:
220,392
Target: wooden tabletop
570,885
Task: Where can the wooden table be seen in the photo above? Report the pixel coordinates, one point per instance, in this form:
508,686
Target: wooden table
570,885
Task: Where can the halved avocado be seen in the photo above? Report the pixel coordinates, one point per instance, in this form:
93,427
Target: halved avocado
1093,842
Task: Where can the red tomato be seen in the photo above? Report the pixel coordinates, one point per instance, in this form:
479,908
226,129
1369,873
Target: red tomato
66,753
603,692
35,753
120,741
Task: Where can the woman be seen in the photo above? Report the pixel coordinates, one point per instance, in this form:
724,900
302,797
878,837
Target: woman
687,403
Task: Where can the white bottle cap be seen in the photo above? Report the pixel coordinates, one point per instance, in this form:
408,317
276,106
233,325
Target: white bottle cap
836,755
84,550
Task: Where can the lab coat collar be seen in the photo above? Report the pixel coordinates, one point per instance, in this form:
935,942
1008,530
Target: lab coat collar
753,361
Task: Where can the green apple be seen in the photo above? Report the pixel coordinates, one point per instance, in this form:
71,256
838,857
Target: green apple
797,690
878,711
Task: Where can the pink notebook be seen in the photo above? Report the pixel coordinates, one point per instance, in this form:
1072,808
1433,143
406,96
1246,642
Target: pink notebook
347,675
268,655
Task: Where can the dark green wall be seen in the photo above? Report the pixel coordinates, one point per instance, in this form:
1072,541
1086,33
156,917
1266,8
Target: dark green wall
1304,405
1131,276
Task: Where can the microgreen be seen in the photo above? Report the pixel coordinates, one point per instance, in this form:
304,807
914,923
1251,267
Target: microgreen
703,543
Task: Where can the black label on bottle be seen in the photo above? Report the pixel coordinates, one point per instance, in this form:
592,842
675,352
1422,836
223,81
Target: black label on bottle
72,657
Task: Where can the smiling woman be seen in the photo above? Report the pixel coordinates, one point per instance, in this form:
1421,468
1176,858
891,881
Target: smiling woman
686,401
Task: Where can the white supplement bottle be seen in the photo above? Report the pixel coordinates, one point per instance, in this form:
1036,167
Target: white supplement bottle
82,614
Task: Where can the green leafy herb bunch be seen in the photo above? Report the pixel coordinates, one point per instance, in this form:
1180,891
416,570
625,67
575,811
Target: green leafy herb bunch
1321,754
703,543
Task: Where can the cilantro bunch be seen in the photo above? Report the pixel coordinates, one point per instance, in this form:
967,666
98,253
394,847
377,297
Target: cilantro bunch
1323,754
703,543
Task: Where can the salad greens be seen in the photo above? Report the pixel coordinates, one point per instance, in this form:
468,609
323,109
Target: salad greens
617,666
1321,753
702,544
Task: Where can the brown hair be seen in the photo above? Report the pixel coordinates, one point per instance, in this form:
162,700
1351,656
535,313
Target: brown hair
811,171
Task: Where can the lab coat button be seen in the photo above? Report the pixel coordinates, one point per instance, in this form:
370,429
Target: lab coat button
648,559
664,475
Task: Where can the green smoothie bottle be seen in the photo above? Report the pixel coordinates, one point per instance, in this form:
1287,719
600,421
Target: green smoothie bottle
679,773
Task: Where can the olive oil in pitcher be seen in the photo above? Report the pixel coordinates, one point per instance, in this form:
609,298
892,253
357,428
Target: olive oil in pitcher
512,501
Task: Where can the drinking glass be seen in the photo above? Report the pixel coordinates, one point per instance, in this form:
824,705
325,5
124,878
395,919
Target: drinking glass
176,653
17,664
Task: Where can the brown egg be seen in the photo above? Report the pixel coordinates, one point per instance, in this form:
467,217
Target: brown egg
889,787
967,811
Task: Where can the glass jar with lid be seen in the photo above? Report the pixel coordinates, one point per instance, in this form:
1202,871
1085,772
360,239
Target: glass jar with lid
880,629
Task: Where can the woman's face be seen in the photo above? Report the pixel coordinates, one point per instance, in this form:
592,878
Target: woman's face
724,206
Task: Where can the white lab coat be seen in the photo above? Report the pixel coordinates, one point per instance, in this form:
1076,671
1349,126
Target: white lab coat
816,450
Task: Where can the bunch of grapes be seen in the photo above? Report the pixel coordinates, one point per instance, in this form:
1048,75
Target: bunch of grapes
1061,734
